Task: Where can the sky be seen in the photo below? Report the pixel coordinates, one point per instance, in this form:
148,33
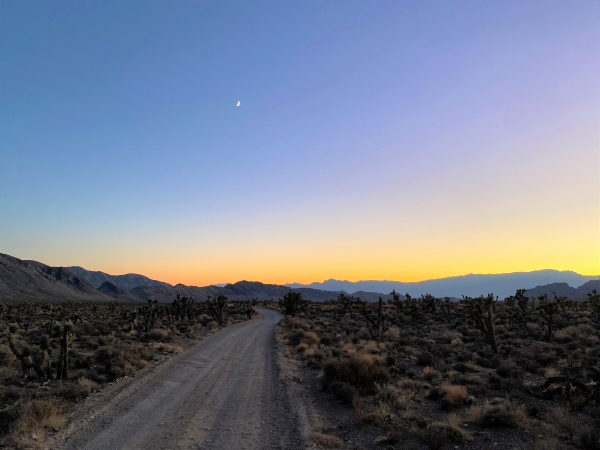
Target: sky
374,139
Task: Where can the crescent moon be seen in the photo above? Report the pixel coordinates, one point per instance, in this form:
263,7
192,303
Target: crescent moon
238,103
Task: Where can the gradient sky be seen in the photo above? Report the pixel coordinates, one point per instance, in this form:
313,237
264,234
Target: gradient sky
375,139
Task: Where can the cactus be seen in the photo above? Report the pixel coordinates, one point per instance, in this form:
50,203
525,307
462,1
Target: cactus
481,315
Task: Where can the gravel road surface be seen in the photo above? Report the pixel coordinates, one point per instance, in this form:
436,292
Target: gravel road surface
223,393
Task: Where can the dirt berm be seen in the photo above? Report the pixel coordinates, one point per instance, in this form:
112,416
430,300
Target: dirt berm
224,393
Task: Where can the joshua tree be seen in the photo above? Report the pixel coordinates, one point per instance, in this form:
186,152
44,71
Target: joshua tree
481,315
291,303
65,336
548,309
376,324
347,302
594,299
150,314
250,311
414,305
396,301
429,302
216,307
446,308
519,307
24,354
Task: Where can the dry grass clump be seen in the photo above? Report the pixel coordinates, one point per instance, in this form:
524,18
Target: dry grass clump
301,347
34,419
561,419
360,371
456,342
310,352
508,414
397,397
369,410
311,338
323,440
438,434
453,393
169,348
157,334
392,334
384,406
88,385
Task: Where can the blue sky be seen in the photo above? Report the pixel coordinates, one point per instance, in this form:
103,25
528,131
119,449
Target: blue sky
366,130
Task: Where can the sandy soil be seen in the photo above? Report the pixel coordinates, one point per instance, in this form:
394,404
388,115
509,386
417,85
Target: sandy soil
224,393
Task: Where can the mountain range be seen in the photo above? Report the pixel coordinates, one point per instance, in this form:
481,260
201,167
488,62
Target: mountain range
23,280
471,285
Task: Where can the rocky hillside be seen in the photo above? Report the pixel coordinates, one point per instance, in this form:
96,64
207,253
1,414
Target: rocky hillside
23,280
128,281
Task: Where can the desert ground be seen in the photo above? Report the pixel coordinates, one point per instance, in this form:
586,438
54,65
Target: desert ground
407,373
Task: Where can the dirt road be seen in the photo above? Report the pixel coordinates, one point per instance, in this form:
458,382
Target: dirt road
224,393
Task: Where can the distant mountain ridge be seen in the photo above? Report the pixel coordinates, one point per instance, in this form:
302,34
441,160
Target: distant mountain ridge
31,280
127,281
22,280
502,285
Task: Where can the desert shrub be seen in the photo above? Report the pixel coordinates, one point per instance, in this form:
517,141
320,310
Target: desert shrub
399,398
295,337
547,444
456,342
311,338
310,352
438,434
360,371
343,391
506,368
392,334
453,395
426,359
72,391
369,410
322,440
158,335
88,385
506,414
34,417
589,438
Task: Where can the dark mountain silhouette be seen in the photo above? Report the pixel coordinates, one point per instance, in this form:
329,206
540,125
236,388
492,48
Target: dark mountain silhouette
118,293
242,290
21,280
472,285
550,289
31,280
128,281
564,289
582,291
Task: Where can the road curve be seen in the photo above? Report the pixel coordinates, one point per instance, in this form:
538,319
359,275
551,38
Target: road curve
223,393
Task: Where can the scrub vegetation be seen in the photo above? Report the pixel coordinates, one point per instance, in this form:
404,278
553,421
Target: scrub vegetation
432,373
53,355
